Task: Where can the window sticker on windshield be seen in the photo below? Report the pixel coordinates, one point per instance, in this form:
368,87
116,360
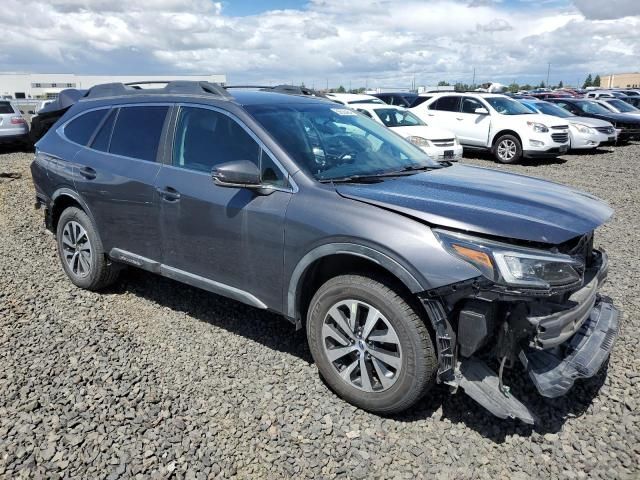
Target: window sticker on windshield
344,111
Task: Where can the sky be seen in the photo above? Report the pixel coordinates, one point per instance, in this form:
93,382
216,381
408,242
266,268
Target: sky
373,43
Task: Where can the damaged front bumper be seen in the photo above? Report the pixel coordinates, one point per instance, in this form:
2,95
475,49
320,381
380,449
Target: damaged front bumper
557,340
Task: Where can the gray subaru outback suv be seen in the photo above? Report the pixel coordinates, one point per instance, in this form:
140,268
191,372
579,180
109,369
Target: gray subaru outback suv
404,272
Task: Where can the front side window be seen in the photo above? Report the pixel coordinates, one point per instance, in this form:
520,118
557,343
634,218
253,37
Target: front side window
81,128
206,138
622,106
469,105
392,117
446,104
589,106
330,142
137,132
507,106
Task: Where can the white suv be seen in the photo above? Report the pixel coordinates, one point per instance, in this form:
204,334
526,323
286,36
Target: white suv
496,123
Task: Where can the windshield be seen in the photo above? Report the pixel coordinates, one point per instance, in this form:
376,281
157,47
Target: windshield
392,117
507,106
622,106
553,110
330,142
589,106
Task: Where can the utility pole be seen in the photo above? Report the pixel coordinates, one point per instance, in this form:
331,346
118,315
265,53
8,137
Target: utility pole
327,84
473,83
548,70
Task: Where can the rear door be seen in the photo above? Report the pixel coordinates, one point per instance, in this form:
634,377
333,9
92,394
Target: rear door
443,113
115,175
228,240
473,128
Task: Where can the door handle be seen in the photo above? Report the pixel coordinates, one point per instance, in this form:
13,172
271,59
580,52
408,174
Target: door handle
458,118
169,194
88,173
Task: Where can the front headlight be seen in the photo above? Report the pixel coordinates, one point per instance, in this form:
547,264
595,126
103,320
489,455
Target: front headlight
419,141
582,128
538,127
512,265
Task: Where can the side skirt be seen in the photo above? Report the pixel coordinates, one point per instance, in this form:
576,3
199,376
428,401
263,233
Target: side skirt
197,281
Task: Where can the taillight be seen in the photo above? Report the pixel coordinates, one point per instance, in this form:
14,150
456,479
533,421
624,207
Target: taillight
17,120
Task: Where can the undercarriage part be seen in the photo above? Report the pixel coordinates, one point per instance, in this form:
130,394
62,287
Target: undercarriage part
554,374
445,338
475,322
482,384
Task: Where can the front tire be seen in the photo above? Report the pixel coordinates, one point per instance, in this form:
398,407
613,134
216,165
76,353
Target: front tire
370,345
81,252
508,149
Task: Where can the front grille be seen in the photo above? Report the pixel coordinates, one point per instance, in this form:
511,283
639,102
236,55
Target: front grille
633,127
446,142
560,137
560,127
606,130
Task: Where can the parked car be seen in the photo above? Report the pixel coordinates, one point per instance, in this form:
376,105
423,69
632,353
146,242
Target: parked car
627,126
352,98
584,132
632,100
13,126
617,105
597,94
496,123
401,270
402,99
439,144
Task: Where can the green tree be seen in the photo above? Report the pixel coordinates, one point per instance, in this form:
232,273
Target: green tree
588,82
542,85
561,85
442,83
596,81
341,89
514,87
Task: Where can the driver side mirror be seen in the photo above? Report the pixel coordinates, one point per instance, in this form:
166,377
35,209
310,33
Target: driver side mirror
239,174
481,111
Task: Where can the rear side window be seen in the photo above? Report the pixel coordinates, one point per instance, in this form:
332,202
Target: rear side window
137,132
81,129
101,140
5,107
447,104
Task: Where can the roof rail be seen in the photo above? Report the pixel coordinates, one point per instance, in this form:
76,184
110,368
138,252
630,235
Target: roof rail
180,87
284,88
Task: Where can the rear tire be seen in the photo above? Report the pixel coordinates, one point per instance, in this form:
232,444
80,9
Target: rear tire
81,253
394,347
508,149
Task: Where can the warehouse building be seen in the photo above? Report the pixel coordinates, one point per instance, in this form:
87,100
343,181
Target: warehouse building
620,80
45,85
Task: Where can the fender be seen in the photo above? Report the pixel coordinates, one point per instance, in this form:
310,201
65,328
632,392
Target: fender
293,294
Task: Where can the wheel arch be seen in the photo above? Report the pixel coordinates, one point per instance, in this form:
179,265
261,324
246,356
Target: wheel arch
330,260
62,199
502,132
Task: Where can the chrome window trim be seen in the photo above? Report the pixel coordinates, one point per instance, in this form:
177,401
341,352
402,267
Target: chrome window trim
293,186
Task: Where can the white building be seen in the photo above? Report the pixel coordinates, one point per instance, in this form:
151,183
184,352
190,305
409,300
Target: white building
48,85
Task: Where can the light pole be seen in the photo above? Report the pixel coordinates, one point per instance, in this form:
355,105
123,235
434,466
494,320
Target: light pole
548,70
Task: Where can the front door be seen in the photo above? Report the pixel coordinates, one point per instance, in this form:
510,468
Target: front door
473,128
230,237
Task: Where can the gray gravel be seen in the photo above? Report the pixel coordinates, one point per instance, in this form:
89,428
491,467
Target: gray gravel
154,379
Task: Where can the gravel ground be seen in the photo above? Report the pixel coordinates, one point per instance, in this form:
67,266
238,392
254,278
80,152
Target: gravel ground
154,379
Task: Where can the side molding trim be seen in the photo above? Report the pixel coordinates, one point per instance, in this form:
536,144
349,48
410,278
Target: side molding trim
197,281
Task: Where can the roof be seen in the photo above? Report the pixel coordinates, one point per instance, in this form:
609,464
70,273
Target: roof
378,106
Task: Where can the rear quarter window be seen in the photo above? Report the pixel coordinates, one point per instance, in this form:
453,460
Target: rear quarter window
80,129
5,107
137,132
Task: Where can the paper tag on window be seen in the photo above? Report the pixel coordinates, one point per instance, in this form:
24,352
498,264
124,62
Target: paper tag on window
344,111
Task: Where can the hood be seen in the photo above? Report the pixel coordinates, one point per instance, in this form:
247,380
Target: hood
547,120
589,121
430,133
616,117
488,202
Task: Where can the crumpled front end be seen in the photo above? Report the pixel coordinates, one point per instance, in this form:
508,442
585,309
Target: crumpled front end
558,335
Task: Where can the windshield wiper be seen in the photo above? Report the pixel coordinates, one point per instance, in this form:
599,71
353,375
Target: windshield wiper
373,177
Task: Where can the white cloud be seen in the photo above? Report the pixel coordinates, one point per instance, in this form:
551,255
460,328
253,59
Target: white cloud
607,10
380,42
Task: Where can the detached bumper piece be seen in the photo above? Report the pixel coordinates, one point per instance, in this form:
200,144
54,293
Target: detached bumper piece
482,384
554,373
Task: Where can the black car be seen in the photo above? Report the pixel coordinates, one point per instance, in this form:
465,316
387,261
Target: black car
402,99
403,271
628,126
